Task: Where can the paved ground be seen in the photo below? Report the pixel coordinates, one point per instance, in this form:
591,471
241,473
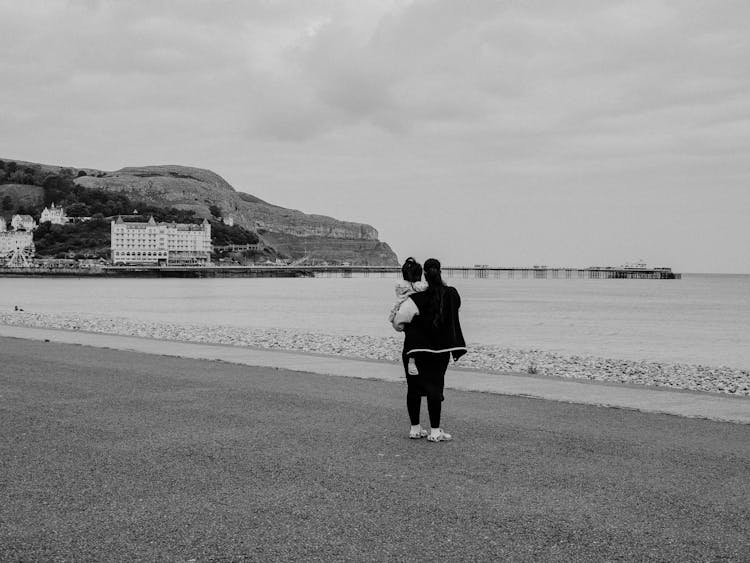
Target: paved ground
115,455
713,406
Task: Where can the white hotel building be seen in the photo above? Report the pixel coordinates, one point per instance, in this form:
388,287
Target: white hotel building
153,243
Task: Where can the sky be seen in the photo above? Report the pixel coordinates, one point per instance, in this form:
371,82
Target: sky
509,133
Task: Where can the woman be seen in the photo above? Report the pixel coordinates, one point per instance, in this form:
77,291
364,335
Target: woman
433,334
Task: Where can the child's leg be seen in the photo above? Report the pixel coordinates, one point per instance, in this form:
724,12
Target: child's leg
405,359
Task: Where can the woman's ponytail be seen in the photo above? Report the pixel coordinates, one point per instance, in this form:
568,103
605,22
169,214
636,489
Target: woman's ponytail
435,288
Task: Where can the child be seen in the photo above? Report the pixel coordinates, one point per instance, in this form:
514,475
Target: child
412,274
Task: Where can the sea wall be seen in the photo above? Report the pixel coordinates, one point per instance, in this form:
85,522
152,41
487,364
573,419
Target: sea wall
715,379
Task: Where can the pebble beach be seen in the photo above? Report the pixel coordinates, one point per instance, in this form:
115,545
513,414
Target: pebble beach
714,379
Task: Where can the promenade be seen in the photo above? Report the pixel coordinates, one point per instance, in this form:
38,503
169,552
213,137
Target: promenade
111,454
713,406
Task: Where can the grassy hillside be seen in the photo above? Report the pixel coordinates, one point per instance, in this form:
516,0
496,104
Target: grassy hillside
19,198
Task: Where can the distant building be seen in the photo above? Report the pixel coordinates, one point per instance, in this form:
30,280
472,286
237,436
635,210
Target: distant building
639,265
54,215
228,221
153,243
25,222
91,262
3,225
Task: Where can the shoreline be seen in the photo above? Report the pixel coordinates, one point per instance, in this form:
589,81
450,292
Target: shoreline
160,272
539,363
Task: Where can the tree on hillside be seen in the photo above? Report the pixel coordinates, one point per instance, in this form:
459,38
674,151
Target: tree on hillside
164,214
223,235
57,190
215,211
7,203
91,239
35,174
62,191
78,209
20,177
30,175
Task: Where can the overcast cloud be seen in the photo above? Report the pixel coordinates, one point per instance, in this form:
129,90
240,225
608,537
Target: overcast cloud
501,132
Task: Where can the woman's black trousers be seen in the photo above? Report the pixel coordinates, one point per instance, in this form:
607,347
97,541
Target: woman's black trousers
429,382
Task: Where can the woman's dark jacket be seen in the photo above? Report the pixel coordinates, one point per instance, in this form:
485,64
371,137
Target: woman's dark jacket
417,316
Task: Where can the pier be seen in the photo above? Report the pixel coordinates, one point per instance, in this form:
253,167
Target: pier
392,271
482,272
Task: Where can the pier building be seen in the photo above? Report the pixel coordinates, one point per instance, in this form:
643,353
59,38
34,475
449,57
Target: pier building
160,244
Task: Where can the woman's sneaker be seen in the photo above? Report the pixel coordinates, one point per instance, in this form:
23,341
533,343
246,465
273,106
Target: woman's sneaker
417,433
439,436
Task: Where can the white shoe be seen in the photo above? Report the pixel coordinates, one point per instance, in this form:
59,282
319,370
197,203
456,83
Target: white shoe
439,436
412,368
418,433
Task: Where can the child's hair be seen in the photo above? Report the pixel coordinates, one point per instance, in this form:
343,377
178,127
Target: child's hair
411,270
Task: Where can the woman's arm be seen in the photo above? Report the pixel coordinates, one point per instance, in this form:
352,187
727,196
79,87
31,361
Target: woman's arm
457,297
406,312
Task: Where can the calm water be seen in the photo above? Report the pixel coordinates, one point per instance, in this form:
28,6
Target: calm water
701,319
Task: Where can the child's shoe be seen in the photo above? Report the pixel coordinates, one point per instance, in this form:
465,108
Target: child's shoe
412,368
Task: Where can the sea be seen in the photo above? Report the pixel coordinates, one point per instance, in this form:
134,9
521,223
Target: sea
701,319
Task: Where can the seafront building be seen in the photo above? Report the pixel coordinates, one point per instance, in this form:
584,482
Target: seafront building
3,225
25,222
153,243
54,215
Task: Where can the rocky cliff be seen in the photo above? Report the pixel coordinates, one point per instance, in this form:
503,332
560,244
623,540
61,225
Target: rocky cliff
290,232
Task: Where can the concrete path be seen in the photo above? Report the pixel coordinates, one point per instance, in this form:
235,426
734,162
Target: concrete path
647,399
